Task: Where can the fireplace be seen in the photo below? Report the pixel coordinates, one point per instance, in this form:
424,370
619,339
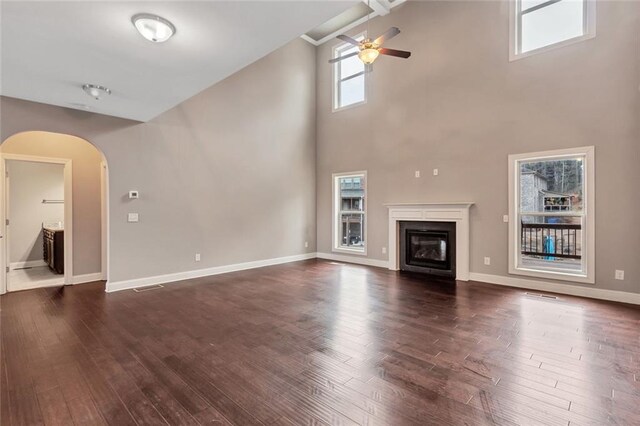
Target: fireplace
428,247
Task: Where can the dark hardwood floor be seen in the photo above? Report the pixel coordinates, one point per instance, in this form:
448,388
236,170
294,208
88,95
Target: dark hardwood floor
316,342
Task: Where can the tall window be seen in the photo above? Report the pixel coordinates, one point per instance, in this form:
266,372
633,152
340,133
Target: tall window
537,25
552,204
349,205
348,78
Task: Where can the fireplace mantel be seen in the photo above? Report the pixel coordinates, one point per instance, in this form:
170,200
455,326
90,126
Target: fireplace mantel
433,212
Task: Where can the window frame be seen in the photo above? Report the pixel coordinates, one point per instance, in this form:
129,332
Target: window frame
588,218
337,211
515,28
336,81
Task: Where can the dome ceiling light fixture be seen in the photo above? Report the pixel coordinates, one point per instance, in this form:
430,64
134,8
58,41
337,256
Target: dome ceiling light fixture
153,27
95,91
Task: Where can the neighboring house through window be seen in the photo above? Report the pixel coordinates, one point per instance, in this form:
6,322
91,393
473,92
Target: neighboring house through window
349,206
349,77
539,25
551,201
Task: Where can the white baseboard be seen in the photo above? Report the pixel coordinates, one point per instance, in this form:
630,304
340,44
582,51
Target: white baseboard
590,292
27,264
179,276
353,259
87,278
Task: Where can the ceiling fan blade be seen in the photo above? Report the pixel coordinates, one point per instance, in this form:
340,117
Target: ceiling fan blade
348,39
339,58
391,33
394,52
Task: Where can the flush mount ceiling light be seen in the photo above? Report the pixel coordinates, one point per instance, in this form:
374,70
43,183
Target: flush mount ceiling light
95,91
153,27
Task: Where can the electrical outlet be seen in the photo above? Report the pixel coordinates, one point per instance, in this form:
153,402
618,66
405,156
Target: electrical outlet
417,173
505,218
619,274
487,261
384,250
306,244
435,172
197,257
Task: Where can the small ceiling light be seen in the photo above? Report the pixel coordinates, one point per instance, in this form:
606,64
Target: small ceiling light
368,55
153,27
95,91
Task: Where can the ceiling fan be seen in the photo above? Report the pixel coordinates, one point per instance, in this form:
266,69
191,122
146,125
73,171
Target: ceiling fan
370,49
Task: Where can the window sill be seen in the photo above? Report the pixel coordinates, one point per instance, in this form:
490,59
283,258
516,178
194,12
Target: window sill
346,107
553,275
516,56
357,252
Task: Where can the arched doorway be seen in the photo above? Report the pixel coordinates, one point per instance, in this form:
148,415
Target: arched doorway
81,231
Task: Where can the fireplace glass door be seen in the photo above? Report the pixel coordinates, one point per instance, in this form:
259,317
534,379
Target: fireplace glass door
428,249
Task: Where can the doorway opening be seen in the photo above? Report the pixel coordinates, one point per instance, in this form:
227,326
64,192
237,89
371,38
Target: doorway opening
53,213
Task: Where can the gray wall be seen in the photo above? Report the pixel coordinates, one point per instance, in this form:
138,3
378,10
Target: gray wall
459,105
30,183
87,218
229,173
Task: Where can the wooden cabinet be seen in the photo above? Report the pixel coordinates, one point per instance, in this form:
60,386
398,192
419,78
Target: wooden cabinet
53,249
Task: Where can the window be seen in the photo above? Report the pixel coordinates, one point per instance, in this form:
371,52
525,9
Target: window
348,77
539,25
551,201
349,206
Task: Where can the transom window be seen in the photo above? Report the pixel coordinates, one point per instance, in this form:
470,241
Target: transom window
551,200
349,78
349,192
538,25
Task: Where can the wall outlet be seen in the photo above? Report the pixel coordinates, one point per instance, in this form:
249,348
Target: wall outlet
417,173
384,250
435,172
197,257
306,244
505,218
619,274
487,261
132,217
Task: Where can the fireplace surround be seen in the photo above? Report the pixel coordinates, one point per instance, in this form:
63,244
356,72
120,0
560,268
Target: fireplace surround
456,212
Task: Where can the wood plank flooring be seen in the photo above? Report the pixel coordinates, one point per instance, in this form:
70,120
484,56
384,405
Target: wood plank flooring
315,343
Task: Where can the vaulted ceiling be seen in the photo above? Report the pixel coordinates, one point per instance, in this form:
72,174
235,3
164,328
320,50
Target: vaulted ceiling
51,48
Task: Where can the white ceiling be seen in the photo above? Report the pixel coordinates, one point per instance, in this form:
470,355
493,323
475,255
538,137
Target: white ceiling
51,48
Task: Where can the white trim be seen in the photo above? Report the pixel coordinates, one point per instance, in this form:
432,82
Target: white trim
335,232
180,276
589,31
87,278
104,219
27,264
68,211
590,217
590,292
380,8
349,259
457,212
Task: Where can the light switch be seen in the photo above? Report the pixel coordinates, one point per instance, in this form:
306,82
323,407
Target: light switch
134,194
505,218
435,172
417,173
132,217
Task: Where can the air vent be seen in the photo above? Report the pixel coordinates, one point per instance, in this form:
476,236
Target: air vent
153,287
541,296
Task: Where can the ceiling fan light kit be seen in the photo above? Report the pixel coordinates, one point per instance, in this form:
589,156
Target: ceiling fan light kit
370,50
